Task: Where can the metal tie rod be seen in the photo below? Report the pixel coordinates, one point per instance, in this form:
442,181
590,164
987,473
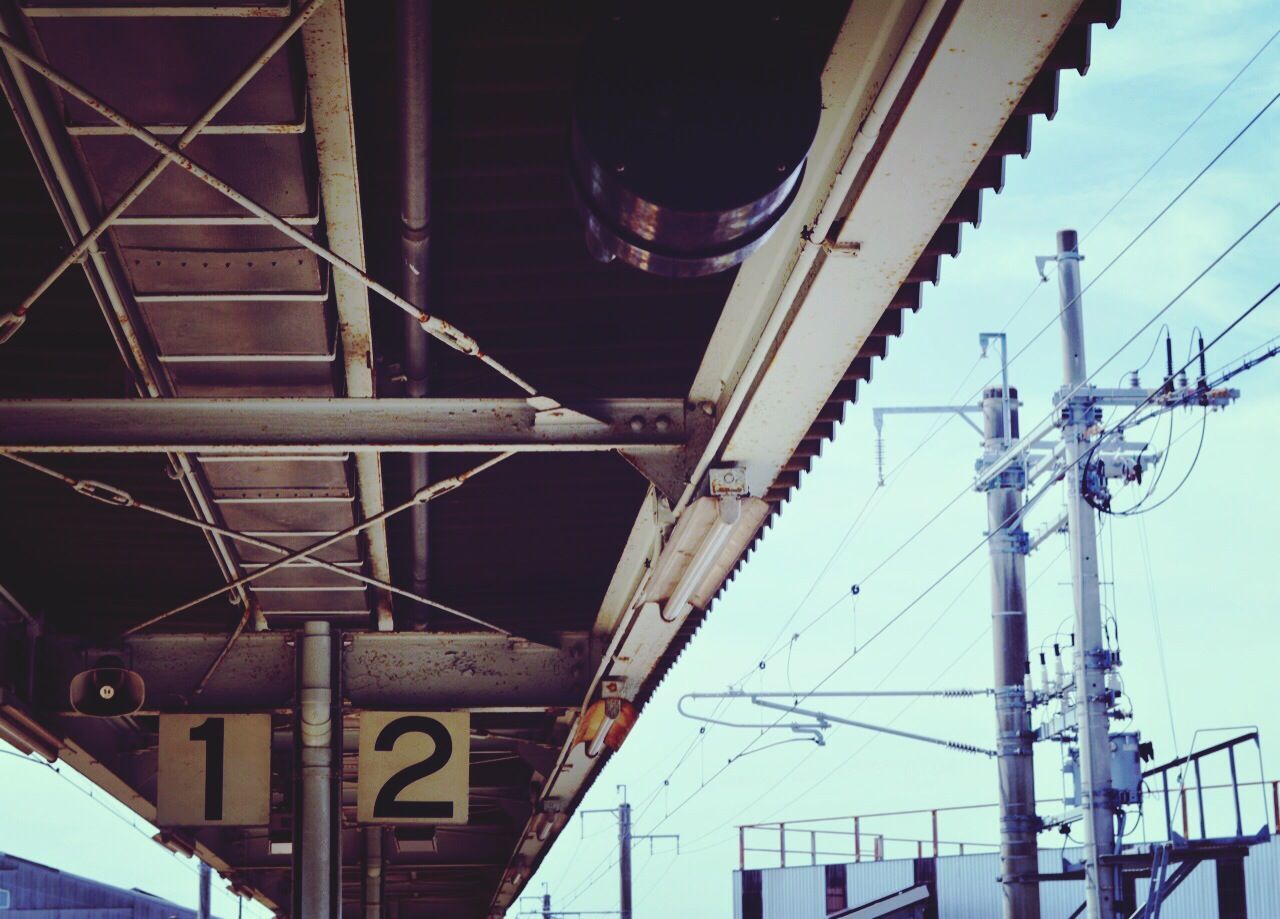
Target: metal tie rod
184,140
430,493
118,497
432,325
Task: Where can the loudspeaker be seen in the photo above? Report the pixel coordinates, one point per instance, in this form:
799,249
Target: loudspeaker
108,690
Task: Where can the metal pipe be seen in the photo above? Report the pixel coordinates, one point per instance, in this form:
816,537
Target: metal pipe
313,818
415,246
1102,886
373,875
1018,823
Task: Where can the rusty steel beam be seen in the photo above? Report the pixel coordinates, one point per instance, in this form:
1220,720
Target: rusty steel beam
405,670
317,426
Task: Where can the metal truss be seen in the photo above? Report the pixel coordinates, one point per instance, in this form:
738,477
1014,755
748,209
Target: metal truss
432,325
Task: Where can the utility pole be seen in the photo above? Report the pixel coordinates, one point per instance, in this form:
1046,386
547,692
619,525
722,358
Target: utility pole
1008,547
1092,659
546,904
206,881
624,858
625,839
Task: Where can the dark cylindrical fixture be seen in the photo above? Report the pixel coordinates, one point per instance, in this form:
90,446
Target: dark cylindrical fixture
691,126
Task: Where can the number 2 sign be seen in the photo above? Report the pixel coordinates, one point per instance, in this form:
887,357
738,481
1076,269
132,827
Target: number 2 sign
214,770
414,767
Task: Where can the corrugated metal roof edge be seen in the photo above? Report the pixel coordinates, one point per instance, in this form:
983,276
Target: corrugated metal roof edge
1072,52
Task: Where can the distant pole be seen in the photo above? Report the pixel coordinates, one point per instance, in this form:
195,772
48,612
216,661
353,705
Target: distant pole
546,905
1008,549
373,872
624,858
206,881
1092,660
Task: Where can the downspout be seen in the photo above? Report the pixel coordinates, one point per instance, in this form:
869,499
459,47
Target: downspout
415,246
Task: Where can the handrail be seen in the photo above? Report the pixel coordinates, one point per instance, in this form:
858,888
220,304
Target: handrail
935,842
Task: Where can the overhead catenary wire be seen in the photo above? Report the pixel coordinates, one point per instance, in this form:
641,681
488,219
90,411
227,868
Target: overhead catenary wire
1022,444
972,550
53,768
1106,215
1116,429
1120,255
1183,133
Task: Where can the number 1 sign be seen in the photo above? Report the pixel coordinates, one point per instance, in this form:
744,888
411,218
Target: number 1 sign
214,770
414,767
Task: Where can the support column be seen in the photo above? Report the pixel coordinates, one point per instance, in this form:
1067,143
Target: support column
206,884
1018,822
318,867
373,867
624,859
1091,660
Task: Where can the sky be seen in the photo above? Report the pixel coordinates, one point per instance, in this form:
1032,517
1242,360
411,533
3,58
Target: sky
1189,586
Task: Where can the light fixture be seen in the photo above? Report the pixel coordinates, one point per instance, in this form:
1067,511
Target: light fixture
20,729
548,819
706,543
606,722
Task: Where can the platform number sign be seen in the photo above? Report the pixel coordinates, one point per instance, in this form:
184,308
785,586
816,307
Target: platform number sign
414,767
214,770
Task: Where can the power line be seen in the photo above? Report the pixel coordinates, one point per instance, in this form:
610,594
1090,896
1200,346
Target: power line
972,550
1185,189
1183,133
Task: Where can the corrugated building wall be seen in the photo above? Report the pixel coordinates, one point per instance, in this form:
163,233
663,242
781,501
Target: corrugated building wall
1262,880
34,890
967,887
872,880
800,889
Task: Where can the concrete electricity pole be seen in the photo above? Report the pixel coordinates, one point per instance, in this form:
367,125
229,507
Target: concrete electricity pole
1092,660
1008,547
624,859
206,881
625,839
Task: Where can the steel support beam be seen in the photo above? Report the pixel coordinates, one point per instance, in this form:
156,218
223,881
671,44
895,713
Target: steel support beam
406,670
324,42
307,426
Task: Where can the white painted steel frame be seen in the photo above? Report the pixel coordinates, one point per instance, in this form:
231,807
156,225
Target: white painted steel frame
914,94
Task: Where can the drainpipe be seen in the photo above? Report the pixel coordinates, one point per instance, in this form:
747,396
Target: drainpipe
318,872
415,244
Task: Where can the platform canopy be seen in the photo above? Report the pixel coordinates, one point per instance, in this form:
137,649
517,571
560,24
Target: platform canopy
527,522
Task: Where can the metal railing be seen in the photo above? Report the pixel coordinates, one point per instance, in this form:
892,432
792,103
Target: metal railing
809,841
